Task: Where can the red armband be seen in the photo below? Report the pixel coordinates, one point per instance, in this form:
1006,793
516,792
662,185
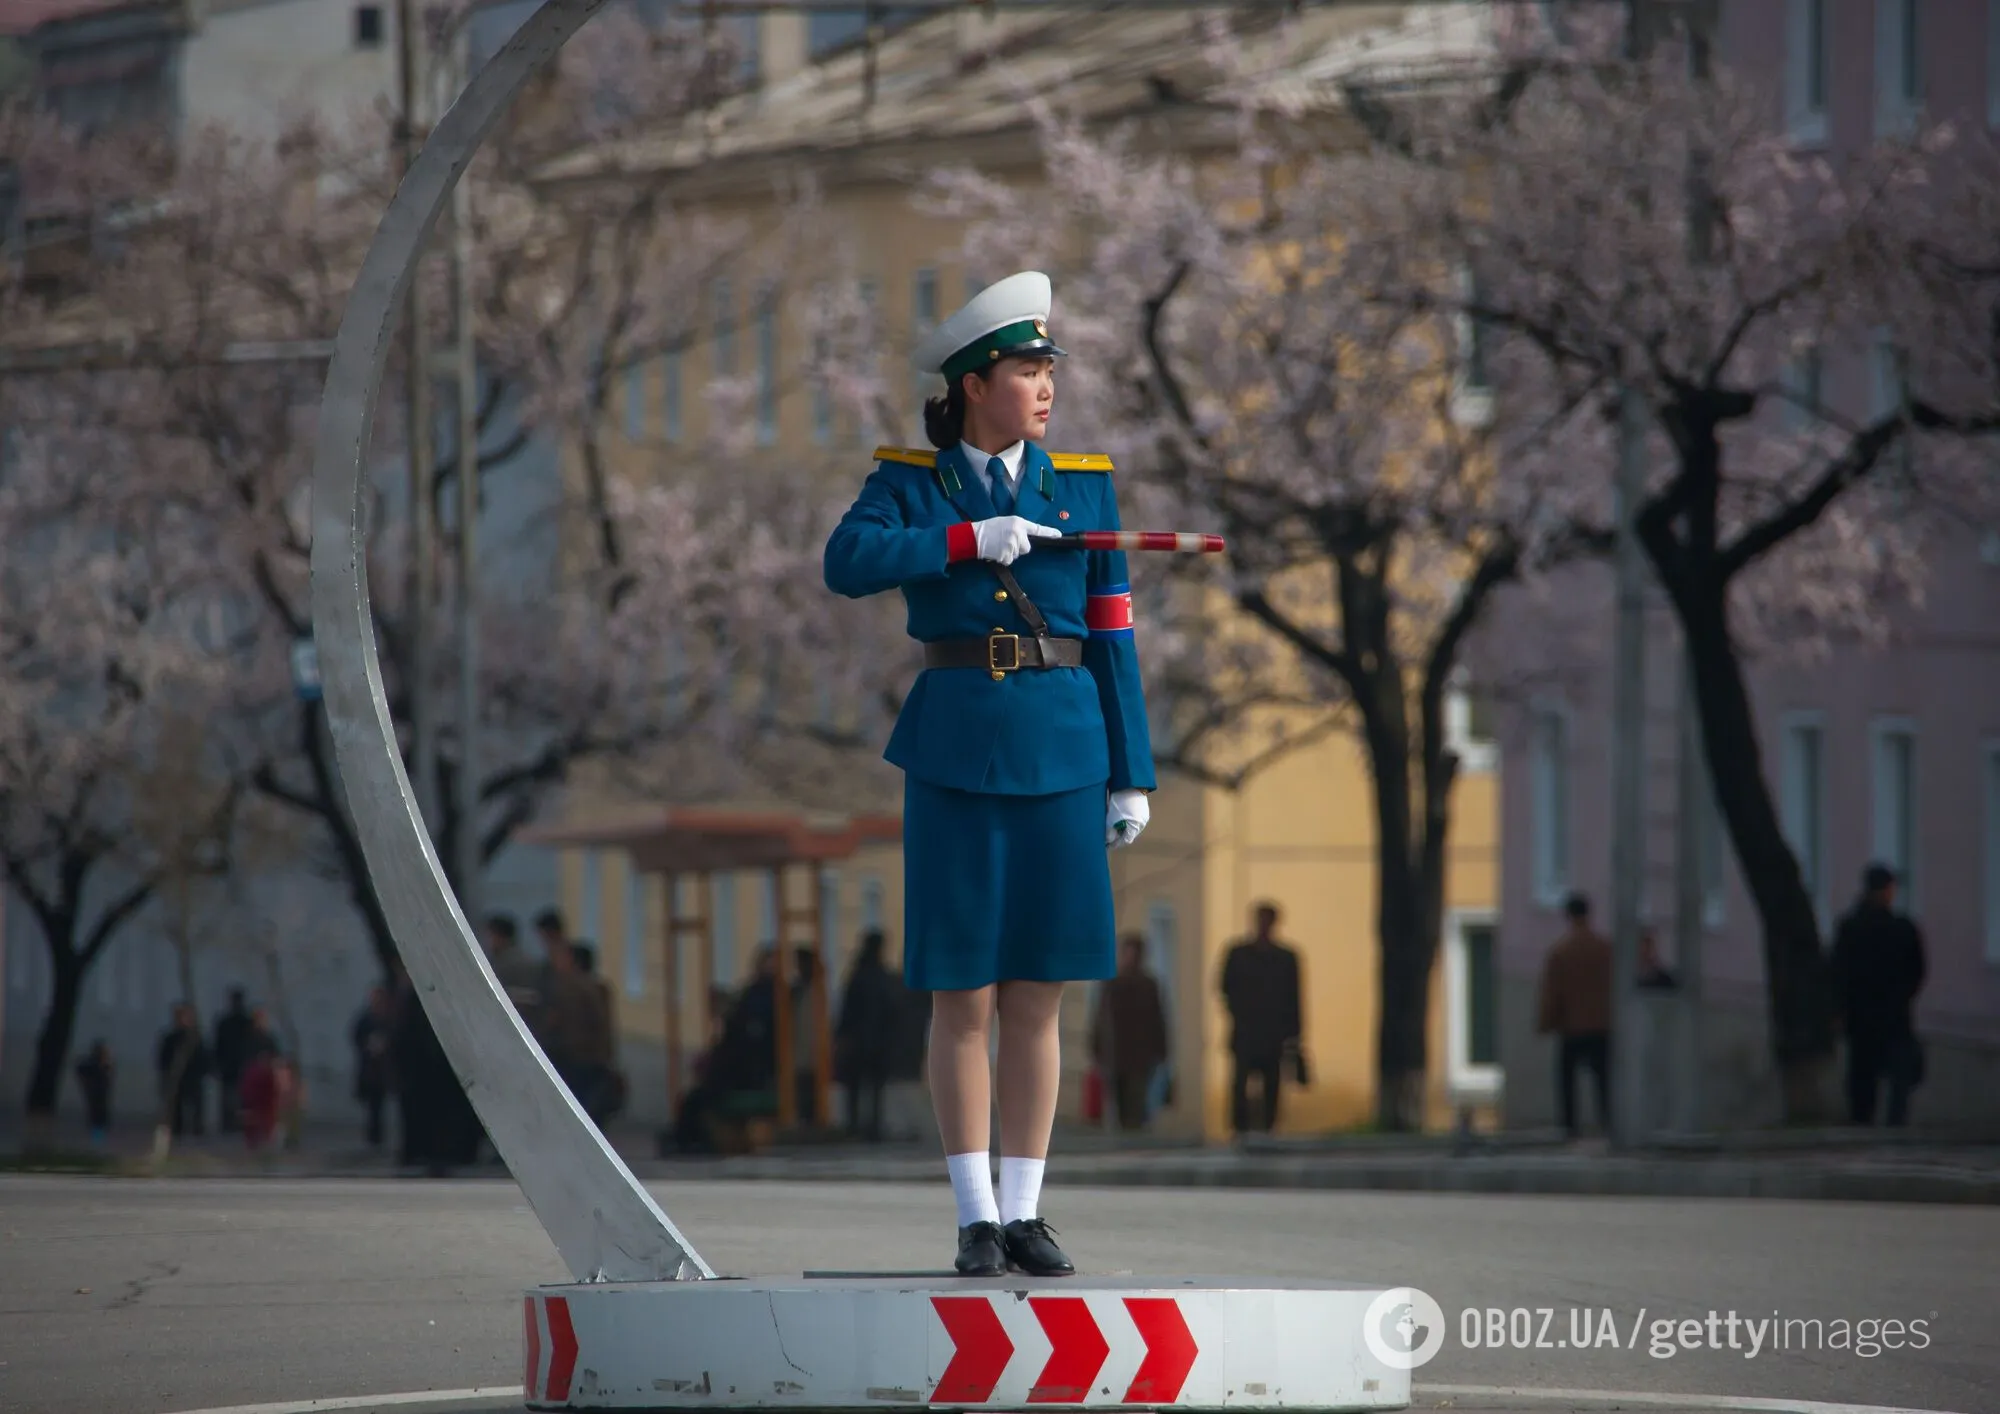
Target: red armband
1109,613
961,542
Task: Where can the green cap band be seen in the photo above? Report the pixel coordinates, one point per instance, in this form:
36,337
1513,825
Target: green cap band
989,349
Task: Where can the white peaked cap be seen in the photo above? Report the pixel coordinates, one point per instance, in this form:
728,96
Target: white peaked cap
1018,299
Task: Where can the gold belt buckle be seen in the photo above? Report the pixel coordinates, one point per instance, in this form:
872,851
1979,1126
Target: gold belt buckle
994,663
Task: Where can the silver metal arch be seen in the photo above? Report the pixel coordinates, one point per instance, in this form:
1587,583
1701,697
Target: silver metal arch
600,1219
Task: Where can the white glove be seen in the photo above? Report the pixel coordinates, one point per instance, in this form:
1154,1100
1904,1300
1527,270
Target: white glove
1004,539
1125,817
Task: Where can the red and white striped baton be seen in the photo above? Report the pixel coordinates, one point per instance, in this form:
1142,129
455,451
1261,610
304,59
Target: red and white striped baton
1180,542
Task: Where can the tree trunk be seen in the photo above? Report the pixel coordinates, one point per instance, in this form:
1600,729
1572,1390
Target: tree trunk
58,1027
347,844
1404,947
1797,991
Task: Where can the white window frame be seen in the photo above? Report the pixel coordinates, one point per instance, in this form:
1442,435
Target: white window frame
1806,72
1899,66
637,897
1790,787
1468,1083
1552,875
1989,777
1476,756
871,902
1883,847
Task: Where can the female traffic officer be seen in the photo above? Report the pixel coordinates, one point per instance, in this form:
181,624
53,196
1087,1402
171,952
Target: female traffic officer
1023,744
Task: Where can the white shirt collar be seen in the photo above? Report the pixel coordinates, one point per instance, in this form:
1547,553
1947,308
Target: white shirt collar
1011,458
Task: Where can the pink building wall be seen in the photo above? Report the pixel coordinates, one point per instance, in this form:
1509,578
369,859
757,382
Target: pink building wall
1940,678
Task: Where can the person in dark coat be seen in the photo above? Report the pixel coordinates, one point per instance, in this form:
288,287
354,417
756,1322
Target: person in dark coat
232,1057
371,1037
1878,969
1260,986
440,1129
1575,1008
1128,1033
865,1039
182,1061
94,1074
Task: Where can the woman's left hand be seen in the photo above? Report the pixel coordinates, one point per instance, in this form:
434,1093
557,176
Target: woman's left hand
1125,816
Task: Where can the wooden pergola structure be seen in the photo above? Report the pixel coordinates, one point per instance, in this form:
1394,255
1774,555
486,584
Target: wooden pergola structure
695,843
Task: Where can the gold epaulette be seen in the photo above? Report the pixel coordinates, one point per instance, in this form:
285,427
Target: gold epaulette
908,456
1080,461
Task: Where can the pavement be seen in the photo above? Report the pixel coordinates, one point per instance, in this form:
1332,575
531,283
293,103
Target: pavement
1831,1164
167,1296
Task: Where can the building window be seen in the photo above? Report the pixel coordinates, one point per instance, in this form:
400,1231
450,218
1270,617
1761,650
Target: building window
367,26
767,911
822,395
590,906
722,955
1802,801
1805,382
1548,777
1472,1001
725,330
635,402
1899,80
671,396
1991,777
1468,727
1894,805
871,903
829,921
767,369
1805,71
635,932
867,291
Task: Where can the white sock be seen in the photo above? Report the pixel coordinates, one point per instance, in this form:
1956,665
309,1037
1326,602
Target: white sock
972,1187
1020,1188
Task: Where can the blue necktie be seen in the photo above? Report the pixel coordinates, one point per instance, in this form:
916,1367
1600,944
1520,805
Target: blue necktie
1003,489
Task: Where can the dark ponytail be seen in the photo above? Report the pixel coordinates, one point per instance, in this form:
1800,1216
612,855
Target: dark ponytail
944,418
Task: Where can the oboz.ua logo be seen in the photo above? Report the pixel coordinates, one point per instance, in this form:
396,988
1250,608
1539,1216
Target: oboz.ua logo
1404,1328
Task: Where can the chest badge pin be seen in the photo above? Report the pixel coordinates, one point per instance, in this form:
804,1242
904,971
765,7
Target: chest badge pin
1062,515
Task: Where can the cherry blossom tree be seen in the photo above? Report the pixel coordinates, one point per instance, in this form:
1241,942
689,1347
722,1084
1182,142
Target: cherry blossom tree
108,636
634,635
1633,226
1226,354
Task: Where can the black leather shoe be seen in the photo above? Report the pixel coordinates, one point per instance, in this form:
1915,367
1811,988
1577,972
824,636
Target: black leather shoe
1031,1248
982,1250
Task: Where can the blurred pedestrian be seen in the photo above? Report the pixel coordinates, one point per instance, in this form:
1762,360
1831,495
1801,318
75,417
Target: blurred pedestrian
371,1038
261,1099
1260,986
1128,1033
94,1076
182,1061
1576,1009
1653,974
602,1076
519,973
1878,969
231,1053
805,1035
866,1035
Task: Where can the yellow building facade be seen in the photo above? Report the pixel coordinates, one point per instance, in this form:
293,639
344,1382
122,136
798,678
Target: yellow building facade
1299,833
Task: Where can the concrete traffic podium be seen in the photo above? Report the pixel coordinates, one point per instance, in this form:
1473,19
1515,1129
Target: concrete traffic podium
843,1340
646,1323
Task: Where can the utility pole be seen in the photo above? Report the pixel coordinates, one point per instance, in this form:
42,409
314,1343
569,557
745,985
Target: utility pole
422,567
1628,731
470,772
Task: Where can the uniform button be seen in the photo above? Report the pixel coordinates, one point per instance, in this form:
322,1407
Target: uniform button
997,675
999,595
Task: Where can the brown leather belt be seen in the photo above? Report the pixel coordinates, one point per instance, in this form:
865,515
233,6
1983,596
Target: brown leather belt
1002,653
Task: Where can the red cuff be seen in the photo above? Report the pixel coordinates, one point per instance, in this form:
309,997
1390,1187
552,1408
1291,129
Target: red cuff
961,542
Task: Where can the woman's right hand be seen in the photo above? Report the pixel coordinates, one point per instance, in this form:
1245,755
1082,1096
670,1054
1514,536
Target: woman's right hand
1004,539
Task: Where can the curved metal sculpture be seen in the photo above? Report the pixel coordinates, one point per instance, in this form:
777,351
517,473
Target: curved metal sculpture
600,1219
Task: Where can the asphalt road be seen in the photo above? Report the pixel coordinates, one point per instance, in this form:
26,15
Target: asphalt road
132,1297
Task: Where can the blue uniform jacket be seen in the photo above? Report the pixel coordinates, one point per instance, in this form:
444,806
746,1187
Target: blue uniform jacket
1032,732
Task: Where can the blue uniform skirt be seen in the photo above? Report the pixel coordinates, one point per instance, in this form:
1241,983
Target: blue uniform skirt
1004,888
